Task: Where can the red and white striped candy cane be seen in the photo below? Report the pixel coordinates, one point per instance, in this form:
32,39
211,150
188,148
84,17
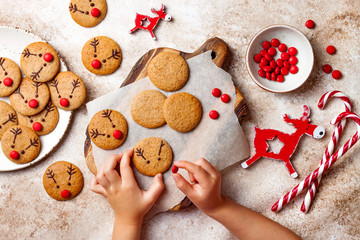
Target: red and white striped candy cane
327,164
330,149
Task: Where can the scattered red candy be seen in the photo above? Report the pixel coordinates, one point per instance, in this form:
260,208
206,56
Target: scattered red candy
174,169
282,47
117,134
280,78
96,64
65,194
293,69
33,103
14,155
8,82
225,98
284,71
331,50
216,92
272,51
327,68
48,57
95,12
336,74
257,58
213,114
293,60
275,42
310,24
37,126
261,73
64,102
292,51
266,45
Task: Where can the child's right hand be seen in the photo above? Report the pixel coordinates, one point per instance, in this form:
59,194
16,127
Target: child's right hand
205,190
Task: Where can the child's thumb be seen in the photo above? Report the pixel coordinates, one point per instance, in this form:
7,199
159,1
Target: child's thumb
156,187
182,184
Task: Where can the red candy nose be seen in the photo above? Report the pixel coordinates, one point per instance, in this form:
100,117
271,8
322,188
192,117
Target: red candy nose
37,126
33,103
8,82
96,64
48,57
174,169
95,12
117,134
65,194
14,155
64,102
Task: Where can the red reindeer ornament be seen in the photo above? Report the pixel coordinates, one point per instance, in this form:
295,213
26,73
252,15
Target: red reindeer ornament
149,23
290,141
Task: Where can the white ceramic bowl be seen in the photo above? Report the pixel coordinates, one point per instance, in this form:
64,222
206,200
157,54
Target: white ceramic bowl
292,38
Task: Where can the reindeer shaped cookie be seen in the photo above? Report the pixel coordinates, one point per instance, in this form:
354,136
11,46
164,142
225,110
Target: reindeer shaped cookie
290,141
88,13
10,76
8,117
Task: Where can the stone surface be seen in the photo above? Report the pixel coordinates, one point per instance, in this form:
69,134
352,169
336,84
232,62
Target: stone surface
28,213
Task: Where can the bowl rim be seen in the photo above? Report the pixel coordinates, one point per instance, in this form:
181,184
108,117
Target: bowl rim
248,64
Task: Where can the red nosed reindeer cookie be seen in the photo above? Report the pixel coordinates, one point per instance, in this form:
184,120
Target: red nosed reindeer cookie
88,13
67,91
20,144
10,76
63,180
40,62
8,117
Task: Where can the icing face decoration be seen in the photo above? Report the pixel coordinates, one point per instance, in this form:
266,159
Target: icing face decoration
63,180
8,117
88,13
10,76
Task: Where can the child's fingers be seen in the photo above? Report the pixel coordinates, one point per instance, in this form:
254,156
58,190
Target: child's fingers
192,178
102,180
155,189
199,173
127,175
96,188
183,185
109,169
207,166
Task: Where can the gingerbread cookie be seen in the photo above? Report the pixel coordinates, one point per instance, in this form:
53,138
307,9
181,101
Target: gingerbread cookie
63,180
147,109
67,91
10,76
20,144
30,98
8,117
182,111
108,129
152,156
101,55
88,13
168,71
40,62
43,122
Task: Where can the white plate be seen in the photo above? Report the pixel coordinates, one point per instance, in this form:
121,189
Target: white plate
12,43
292,38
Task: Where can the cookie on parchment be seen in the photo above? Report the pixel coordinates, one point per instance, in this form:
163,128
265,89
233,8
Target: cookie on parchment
101,55
63,180
147,109
43,122
30,98
67,91
88,13
108,129
168,71
182,111
8,117
20,144
10,76
152,156
39,62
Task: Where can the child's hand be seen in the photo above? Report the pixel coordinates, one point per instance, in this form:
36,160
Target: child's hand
205,192
129,202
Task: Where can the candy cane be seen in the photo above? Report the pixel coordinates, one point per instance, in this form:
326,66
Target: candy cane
329,150
327,164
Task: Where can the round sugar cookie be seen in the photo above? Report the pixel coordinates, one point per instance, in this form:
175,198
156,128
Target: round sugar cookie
20,144
108,129
39,62
10,76
152,156
30,98
147,109
182,111
101,55
168,71
63,180
88,13
8,117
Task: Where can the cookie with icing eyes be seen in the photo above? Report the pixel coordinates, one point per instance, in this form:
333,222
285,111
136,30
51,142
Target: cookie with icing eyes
88,13
20,144
67,91
152,155
30,97
108,129
43,122
63,180
10,76
39,62
101,55
8,117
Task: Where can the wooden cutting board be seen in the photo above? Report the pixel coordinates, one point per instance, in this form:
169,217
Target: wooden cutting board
139,71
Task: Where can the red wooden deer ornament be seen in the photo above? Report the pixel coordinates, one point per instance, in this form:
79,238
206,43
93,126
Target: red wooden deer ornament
290,141
149,23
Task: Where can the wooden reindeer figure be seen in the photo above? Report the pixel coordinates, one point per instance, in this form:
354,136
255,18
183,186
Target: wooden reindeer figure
290,141
140,20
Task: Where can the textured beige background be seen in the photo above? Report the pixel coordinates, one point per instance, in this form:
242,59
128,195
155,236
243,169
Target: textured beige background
28,213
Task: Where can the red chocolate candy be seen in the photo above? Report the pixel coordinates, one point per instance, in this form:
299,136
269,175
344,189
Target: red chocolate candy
272,51
284,71
282,47
292,51
268,76
268,57
310,24
95,12
293,60
280,78
263,52
336,74
273,76
286,64
174,169
273,64
275,42
33,103
48,57
8,82
293,69
267,69
216,92
37,126
327,68
284,56
257,58
117,134
331,50
14,155
280,62
266,45
277,70
213,114
64,102
261,73
65,193
96,64
225,98
264,62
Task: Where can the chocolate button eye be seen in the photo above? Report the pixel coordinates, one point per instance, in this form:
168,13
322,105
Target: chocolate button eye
31,121
5,73
159,159
22,152
69,184
104,60
95,56
40,55
92,4
148,162
59,96
12,146
43,120
57,186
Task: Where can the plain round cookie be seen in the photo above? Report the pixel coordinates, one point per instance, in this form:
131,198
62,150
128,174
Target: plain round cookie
9,69
69,88
152,156
63,180
22,140
8,117
103,50
88,13
26,92
182,111
147,109
47,119
35,62
104,129
168,71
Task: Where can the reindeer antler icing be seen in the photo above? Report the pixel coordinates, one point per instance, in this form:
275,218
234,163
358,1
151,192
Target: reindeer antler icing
94,43
15,131
11,118
140,152
115,54
33,143
2,60
71,171
50,174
